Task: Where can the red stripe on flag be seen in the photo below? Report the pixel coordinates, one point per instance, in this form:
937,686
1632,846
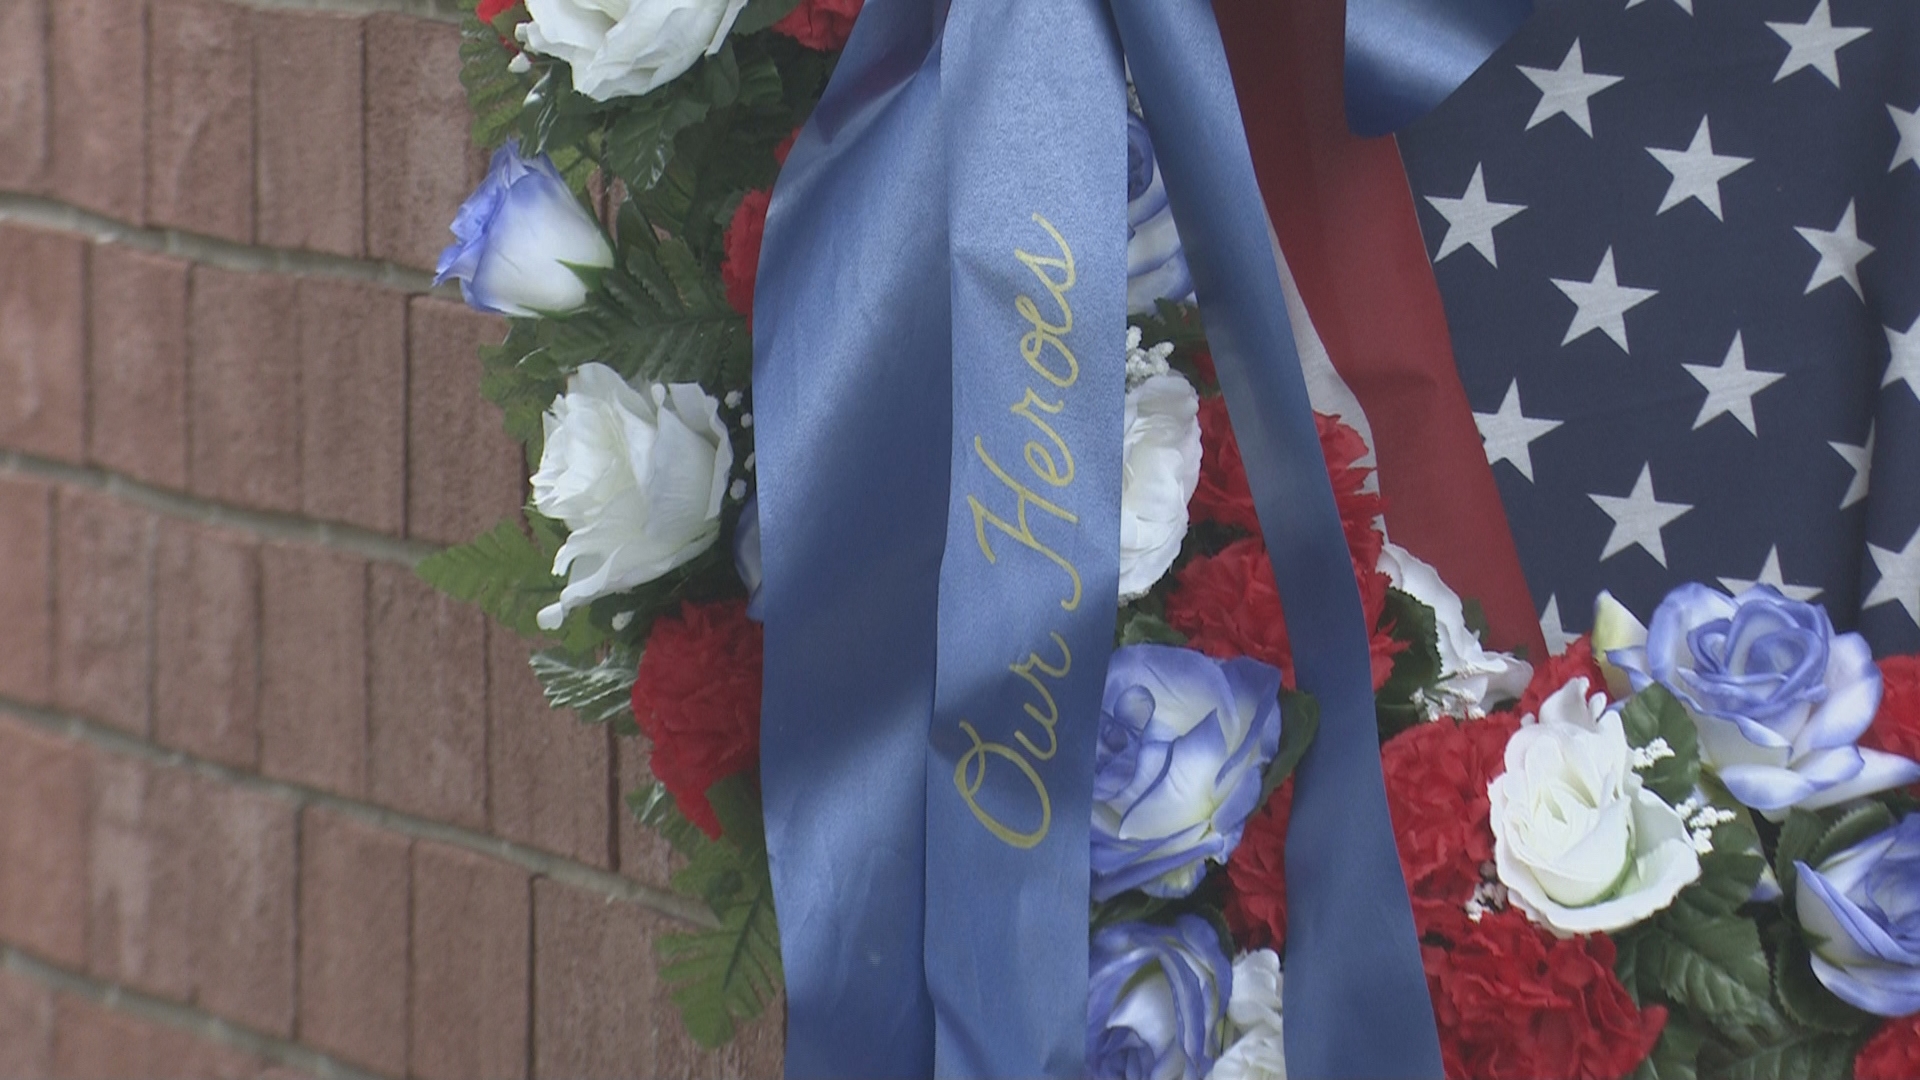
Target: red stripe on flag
1346,222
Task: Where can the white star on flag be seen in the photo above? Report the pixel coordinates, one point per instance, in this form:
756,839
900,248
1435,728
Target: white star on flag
1602,304
1471,218
1815,43
1697,172
1685,5
1509,433
1899,577
1841,250
1903,358
1638,518
1860,460
1908,124
1565,90
1557,637
1770,575
1730,387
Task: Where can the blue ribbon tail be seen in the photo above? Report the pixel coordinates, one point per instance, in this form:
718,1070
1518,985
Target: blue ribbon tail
852,407
1356,993
1405,56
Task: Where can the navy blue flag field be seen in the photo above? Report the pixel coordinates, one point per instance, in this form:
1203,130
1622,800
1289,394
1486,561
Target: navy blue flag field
1678,243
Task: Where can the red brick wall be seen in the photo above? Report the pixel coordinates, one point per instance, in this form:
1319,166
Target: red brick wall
269,806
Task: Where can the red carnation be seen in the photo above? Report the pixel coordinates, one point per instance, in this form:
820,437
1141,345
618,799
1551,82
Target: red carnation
1257,875
820,24
1227,605
1893,1053
1223,495
1577,662
1437,776
1514,1001
490,10
698,699
1896,727
741,263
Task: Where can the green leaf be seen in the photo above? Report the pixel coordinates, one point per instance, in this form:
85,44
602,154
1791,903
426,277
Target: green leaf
1417,667
1800,1055
1145,628
501,572
1299,723
1676,1056
1730,871
1798,835
1131,906
760,14
1714,965
653,807
1848,829
1804,999
1654,713
597,691
640,142
494,93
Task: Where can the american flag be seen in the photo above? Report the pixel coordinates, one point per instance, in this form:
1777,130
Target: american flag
1678,245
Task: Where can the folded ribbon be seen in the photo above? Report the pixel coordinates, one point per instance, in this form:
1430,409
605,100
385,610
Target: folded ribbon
938,384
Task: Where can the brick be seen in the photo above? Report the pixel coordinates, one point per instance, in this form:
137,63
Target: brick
244,440
97,154
206,678
309,164
644,854
103,574
353,403
353,940
26,1027
26,590
548,773
95,1043
463,474
583,944
427,729
200,118
23,94
42,339
193,892
313,668
469,965
137,364
420,160
45,785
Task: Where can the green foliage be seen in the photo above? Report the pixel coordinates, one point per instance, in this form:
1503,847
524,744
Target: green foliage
1178,324
1139,627
760,14
1299,723
1796,1055
1712,963
1654,713
726,975
1415,668
1131,906
501,572
1849,828
598,691
1802,996
1675,1056
494,93
1798,835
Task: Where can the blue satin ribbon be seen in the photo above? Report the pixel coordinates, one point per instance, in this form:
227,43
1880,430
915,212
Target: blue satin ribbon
1405,56
939,458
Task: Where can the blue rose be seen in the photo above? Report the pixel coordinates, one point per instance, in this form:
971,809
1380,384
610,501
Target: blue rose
1157,1004
1184,741
518,237
1861,912
1778,697
1156,269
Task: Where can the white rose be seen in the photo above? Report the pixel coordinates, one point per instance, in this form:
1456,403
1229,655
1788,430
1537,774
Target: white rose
1472,680
1580,845
1160,472
637,478
518,238
623,48
1257,1050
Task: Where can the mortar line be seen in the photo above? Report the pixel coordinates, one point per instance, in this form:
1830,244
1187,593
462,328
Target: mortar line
264,524
438,10
614,887
43,213
180,1017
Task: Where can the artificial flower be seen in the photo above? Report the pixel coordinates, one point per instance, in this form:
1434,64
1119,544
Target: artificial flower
820,24
740,263
1575,662
1256,1046
1156,267
697,699
1157,1001
1472,679
1222,495
1183,745
637,478
1892,1054
1778,697
1256,901
1861,911
1896,725
1159,470
1581,845
518,238
1437,776
622,48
